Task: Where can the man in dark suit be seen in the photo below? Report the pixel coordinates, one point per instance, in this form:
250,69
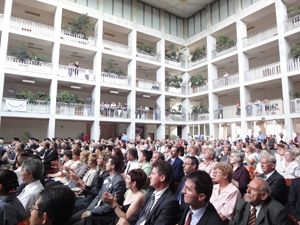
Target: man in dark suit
274,179
293,204
49,156
197,192
257,207
176,163
160,205
226,154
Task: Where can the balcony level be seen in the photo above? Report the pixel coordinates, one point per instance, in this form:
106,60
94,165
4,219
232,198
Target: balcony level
292,23
149,56
147,115
226,81
223,51
116,47
148,84
198,117
78,38
24,106
72,109
293,64
228,112
263,71
175,117
260,36
295,105
176,63
203,88
115,79
76,73
198,61
274,107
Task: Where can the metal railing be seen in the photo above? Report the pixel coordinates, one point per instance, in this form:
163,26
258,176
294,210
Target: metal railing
181,90
1,20
148,84
115,113
78,38
150,56
260,36
28,65
198,117
263,71
147,115
224,50
226,81
72,109
114,79
202,88
271,108
295,105
76,73
228,112
116,47
293,64
195,62
174,62
175,117
31,107
31,26
292,23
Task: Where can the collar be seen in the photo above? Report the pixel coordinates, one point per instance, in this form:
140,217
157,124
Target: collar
198,213
160,193
28,186
111,177
257,208
269,174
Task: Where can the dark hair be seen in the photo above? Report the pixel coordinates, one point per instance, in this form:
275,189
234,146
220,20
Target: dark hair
68,153
47,144
133,152
194,160
169,147
164,168
110,148
53,144
161,156
202,181
76,152
139,177
181,150
86,148
177,148
8,180
119,153
117,161
58,202
147,154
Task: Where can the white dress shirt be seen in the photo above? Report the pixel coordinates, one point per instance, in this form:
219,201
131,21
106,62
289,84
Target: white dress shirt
197,214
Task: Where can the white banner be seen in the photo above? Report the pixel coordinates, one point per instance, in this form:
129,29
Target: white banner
15,105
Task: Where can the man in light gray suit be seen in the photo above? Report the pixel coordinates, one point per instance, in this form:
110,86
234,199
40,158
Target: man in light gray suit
113,184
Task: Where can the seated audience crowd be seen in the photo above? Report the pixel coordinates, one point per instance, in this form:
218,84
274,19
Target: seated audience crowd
147,182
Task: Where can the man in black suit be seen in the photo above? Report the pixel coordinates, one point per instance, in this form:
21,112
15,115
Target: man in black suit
197,192
274,179
49,156
226,154
293,204
160,205
257,207
176,163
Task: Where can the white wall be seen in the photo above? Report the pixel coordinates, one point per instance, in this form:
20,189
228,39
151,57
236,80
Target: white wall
73,129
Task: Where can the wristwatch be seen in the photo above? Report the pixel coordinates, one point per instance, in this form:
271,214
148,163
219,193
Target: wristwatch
88,213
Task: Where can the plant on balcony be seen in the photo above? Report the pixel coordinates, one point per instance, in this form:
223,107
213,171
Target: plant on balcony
80,25
25,94
224,41
66,97
21,53
110,68
295,52
41,58
173,81
173,53
121,72
295,94
197,81
294,12
146,49
198,109
41,95
197,53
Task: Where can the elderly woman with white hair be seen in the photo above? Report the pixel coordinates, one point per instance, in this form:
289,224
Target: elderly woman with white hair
288,168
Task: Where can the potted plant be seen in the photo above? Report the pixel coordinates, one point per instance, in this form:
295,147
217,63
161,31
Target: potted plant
173,53
173,81
195,112
41,95
203,108
197,81
197,53
294,13
63,96
295,51
146,49
295,94
224,41
168,111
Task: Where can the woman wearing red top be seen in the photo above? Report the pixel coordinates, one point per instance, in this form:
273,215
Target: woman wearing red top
238,109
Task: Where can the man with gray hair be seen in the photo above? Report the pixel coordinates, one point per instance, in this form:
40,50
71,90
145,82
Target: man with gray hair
257,207
209,163
274,179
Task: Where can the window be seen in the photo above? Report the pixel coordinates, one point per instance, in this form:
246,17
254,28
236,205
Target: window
197,23
173,25
119,8
222,9
148,16
246,3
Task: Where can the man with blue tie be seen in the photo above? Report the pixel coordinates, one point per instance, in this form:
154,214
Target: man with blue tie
226,154
176,163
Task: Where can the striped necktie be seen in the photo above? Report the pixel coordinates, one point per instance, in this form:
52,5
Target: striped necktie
252,217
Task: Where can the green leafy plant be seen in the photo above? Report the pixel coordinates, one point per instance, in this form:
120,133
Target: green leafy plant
295,94
26,135
197,53
294,12
121,72
41,95
173,81
110,68
146,48
224,40
80,25
21,53
63,96
295,52
41,58
197,81
198,109
179,107
173,53
25,94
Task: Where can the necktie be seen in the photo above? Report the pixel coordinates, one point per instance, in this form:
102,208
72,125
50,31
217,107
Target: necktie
189,219
147,210
179,196
107,187
252,217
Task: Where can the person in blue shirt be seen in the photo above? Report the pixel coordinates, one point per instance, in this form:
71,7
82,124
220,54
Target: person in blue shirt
260,138
124,137
200,137
220,111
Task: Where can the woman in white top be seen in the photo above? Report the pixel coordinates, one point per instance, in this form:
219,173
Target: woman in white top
288,168
106,107
280,155
250,158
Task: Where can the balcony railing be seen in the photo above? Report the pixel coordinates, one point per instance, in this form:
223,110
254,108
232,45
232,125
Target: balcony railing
28,65
181,90
292,23
31,27
260,36
263,71
195,62
177,63
76,73
22,105
224,50
150,56
116,47
78,38
295,105
226,81
147,84
198,117
202,88
228,112
115,113
1,20
114,79
147,115
175,117
72,109
293,64
272,108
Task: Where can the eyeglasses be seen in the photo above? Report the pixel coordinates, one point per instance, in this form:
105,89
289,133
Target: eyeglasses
32,208
187,164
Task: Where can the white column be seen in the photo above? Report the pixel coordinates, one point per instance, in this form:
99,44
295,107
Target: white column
131,102
185,131
160,131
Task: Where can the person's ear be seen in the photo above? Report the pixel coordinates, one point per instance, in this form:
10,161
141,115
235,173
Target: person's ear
264,196
162,178
201,197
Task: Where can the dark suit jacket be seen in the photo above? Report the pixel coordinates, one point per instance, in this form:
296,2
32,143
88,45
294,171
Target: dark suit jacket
178,169
164,212
278,187
209,217
183,204
293,205
50,155
271,212
223,158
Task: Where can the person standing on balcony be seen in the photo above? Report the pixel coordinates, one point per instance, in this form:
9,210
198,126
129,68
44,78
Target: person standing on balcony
119,109
87,74
249,108
125,110
71,68
146,112
267,105
137,112
106,107
101,108
76,69
220,111
257,103
141,112
238,109
112,109
225,79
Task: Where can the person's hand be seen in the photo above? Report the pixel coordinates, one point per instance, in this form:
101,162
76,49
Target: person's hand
74,176
81,185
79,192
108,198
84,215
122,221
54,163
68,169
5,159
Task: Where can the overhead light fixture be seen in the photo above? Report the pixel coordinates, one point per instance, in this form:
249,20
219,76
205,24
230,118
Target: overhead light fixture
146,96
173,99
28,81
114,92
76,87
